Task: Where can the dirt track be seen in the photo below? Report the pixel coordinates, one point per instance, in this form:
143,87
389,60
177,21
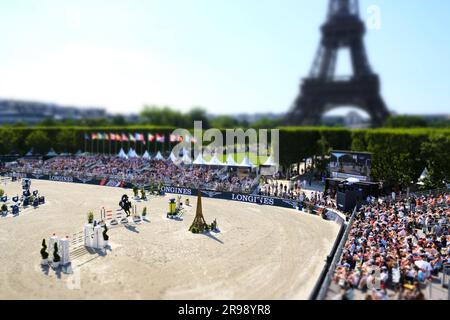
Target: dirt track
261,253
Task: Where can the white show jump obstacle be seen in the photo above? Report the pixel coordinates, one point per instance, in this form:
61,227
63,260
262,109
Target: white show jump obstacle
93,236
63,245
120,217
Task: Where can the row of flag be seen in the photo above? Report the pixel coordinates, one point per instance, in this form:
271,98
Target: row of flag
138,137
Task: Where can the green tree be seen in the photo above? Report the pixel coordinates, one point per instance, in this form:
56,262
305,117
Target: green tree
66,140
406,122
436,153
38,140
8,140
197,114
225,122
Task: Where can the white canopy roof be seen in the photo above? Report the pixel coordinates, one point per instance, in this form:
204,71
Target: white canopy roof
52,153
186,159
246,163
200,160
132,153
173,157
159,156
230,161
215,161
269,162
122,154
146,155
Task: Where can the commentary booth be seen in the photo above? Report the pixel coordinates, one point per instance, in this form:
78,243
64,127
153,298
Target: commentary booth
350,183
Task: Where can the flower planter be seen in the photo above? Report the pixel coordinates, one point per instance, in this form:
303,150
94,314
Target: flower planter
55,265
44,262
106,243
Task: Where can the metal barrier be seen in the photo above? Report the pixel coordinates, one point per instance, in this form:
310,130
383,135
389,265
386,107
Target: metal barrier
324,282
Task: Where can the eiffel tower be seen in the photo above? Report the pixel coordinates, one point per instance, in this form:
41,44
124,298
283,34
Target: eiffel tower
322,91
199,224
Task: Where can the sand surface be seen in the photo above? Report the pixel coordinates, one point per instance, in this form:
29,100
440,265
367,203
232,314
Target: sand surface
262,252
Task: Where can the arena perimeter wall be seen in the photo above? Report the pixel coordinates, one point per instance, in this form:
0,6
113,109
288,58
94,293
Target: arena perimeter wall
231,196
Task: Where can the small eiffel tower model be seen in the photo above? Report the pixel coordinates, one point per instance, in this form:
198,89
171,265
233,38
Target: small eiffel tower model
199,224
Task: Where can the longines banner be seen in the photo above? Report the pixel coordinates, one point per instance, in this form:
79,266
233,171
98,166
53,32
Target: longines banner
240,197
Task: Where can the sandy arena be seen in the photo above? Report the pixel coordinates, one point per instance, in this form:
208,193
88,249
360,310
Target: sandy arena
261,253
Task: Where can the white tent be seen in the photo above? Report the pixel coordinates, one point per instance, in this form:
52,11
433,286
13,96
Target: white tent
130,153
52,153
215,161
173,157
79,153
122,154
186,159
269,162
246,163
134,154
29,153
159,156
146,155
230,161
185,152
425,174
200,160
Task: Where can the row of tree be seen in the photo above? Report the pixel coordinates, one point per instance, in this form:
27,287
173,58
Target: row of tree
400,155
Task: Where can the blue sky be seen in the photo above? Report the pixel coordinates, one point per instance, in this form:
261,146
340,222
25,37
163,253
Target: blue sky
228,56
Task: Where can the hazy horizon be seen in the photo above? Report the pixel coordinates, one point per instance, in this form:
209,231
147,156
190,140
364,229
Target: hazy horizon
225,56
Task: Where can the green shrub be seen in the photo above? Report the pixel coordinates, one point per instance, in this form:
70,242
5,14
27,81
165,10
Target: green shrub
105,235
2,192
56,257
144,212
90,217
44,253
135,191
4,208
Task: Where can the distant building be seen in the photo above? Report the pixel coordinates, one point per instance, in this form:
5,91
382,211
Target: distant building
15,111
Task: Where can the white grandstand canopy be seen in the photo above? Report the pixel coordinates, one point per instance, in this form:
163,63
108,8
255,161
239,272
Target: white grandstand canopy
269,162
122,154
186,159
200,160
246,163
159,156
146,155
52,153
230,161
215,161
173,157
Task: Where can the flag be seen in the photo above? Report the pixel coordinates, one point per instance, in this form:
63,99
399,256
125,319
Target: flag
173,138
100,136
118,137
112,137
94,136
124,137
139,137
151,137
160,138
86,137
106,136
131,137
180,139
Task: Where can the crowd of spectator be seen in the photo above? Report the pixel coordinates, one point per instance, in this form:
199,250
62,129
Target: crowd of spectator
139,171
394,248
